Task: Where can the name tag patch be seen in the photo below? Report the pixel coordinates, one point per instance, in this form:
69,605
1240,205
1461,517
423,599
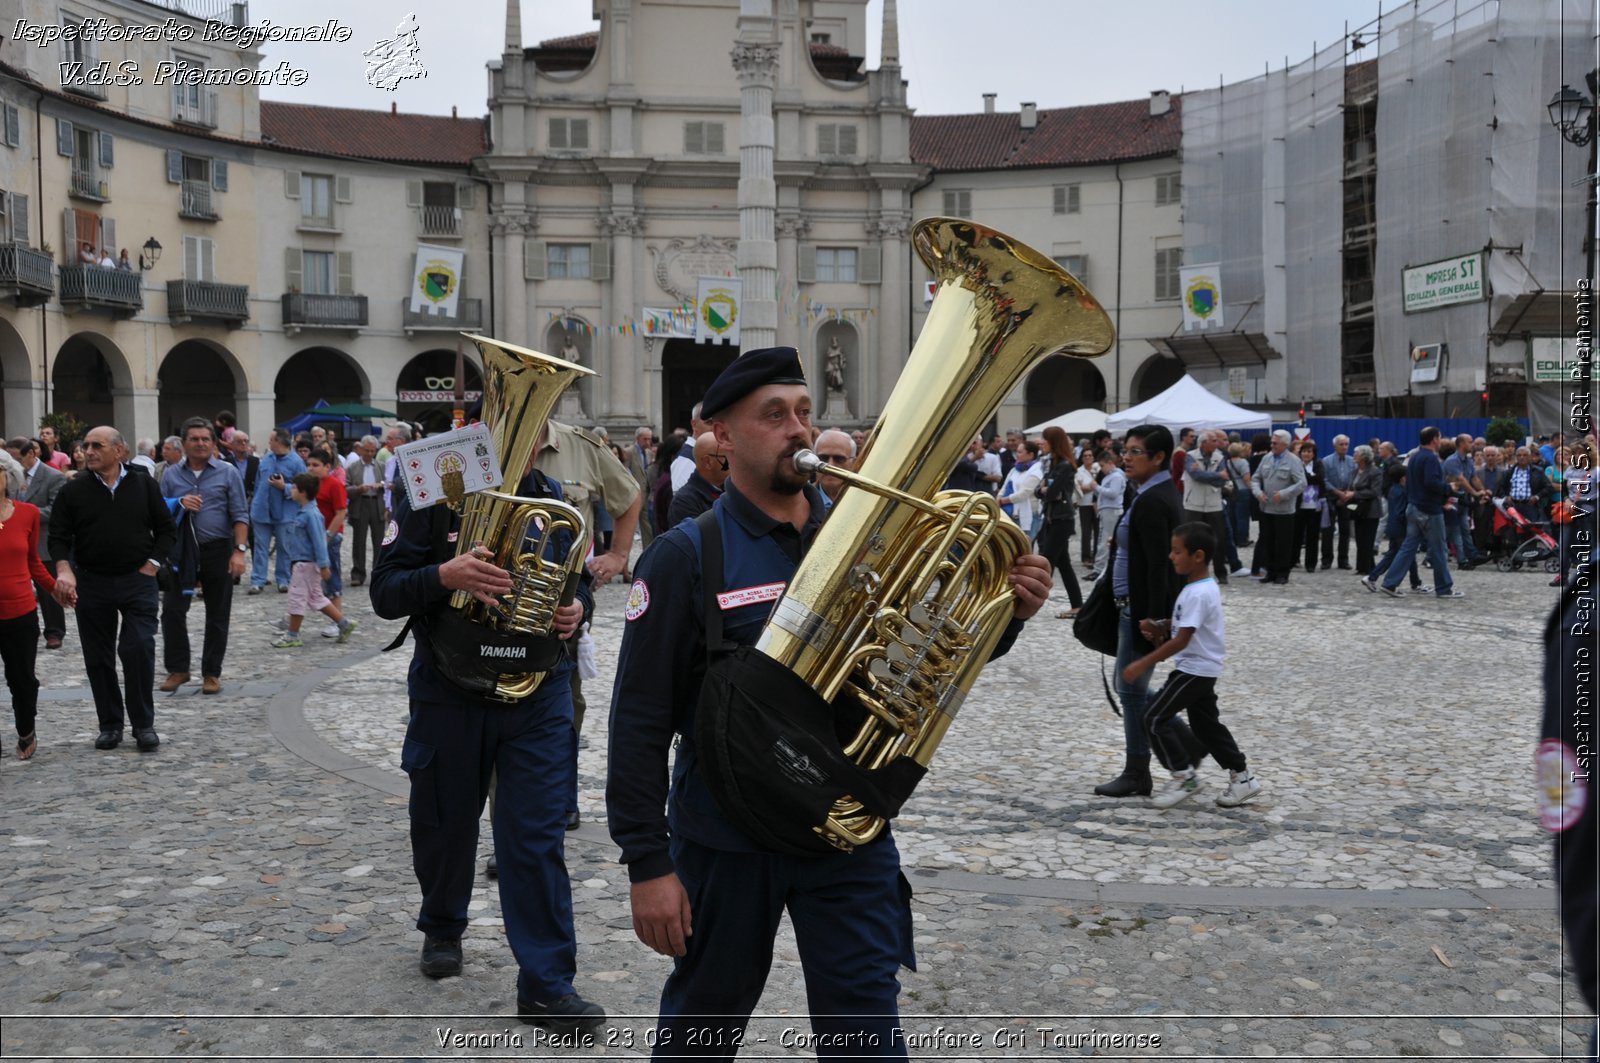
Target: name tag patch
768,592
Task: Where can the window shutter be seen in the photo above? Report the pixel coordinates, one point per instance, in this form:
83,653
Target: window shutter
191,258
534,265
219,174
19,219
179,98
847,140
558,133
208,259
174,166
341,189
869,265
827,139
69,235
291,184
580,133
713,138
1058,199
694,138
63,137
292,263
600,260
13,126
105,150
413,193
108,235
347,277
1072,199
808,263
465,196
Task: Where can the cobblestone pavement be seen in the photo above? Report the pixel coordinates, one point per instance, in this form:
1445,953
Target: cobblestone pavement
247,890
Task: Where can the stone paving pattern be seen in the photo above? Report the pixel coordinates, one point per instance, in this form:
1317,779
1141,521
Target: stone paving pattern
1389,894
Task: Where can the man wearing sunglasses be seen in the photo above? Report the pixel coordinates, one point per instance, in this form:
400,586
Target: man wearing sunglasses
704,485
835,448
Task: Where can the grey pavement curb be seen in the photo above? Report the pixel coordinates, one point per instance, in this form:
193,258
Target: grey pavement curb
287,722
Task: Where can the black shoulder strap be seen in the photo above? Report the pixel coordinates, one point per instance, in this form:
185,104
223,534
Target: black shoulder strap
439,537
711,579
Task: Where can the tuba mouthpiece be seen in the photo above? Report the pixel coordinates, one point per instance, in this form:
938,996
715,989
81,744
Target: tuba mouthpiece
806,461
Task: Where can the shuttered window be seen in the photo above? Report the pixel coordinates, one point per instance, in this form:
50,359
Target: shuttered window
702,138
569,134
1168,262
1064,199
199,258
836,139
958,202
1169,189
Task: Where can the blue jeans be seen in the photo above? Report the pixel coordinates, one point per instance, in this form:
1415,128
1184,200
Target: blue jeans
333,586
1422,528
1239,516
1135,696
1459,535
1388,559
263,534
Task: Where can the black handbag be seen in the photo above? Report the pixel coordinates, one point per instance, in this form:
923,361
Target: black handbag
1096,623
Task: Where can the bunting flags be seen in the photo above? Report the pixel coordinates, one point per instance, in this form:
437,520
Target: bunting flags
680,322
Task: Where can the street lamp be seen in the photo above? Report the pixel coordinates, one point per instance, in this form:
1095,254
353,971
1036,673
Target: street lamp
1572,113
150,255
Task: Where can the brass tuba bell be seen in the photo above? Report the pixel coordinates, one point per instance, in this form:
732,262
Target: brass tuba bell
904,593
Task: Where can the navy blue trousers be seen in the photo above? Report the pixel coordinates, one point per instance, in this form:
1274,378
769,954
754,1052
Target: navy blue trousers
852,921
450,750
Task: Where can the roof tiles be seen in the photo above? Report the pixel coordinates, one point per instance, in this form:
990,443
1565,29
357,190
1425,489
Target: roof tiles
382,135
1065,136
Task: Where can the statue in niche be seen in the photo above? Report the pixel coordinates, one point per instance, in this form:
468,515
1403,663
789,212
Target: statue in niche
835,365
570,408
569,350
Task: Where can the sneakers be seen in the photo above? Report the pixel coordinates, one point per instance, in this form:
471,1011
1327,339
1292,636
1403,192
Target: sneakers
569,1015
289,640
345,630
1422,588
283,588
1451,593
1242,787
331,631
1237,571
1393,592
1181,786
280,624
254,589
441,957
1370,584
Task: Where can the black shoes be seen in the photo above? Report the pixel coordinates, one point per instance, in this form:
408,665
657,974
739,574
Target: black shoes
574,821
569,1015
441,957
1133,782
108,740
148,739
491,869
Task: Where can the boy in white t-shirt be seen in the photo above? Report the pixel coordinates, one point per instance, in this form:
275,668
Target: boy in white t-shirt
1196,641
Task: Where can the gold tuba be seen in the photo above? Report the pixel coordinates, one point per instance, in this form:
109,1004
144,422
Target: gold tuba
904,593
520,389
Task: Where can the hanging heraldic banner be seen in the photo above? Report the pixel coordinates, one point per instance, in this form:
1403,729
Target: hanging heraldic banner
1202,296
436,280
716,317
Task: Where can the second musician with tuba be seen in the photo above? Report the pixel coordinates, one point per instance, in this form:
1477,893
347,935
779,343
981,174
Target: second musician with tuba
703,890
493,585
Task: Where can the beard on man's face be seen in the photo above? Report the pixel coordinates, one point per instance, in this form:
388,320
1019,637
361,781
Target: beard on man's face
786,479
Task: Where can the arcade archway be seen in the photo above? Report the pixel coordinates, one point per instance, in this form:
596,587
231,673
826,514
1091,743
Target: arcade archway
426,388
1155,376
316,373
1061,385
17,384
687,369
197,379
91,380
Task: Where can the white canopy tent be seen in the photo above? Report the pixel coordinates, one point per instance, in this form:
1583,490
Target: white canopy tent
1187,404
1078,422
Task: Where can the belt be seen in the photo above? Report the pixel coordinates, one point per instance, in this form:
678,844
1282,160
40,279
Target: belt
1120,603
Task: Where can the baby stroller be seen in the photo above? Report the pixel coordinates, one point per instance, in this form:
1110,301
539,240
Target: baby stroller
1533,543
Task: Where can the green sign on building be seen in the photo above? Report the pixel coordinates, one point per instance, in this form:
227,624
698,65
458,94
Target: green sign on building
1444,283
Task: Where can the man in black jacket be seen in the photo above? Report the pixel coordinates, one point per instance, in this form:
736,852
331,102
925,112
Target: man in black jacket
1144,587
112,529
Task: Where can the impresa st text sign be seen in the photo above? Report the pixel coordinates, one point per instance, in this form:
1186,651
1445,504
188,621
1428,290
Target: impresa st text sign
1444,283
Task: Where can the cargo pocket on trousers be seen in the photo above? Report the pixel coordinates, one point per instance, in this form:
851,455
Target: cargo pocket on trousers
416,760
908,948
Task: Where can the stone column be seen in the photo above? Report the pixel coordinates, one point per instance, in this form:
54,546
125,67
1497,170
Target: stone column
622,370
791,228
24,405
512,294
258,416
894,336
756,63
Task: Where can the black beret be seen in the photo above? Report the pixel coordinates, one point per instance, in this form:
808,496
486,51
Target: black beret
751,370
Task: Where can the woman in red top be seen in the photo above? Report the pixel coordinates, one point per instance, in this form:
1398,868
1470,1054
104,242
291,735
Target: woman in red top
20,569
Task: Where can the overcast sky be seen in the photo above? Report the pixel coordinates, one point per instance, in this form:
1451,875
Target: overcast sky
1053,52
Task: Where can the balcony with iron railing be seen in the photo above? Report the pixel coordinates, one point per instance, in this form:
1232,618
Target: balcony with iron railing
88,182
303,310
197,201
196,108
26,276
468,315
441,221
228,12
189,300
95,287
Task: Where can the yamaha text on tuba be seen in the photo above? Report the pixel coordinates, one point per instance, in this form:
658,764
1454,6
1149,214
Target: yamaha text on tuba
903,595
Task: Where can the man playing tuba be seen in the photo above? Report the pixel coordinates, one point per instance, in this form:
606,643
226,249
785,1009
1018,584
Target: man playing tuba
702,890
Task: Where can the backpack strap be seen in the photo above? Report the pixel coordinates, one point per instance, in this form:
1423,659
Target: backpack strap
712,581
439,536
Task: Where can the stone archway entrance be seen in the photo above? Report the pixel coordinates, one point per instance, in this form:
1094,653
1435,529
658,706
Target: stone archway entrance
1156,376
687,369
316,373
1061,385
90,380
195,381
426,389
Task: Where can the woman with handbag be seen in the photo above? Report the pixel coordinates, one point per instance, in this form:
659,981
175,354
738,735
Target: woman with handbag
1057,505
1366,491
